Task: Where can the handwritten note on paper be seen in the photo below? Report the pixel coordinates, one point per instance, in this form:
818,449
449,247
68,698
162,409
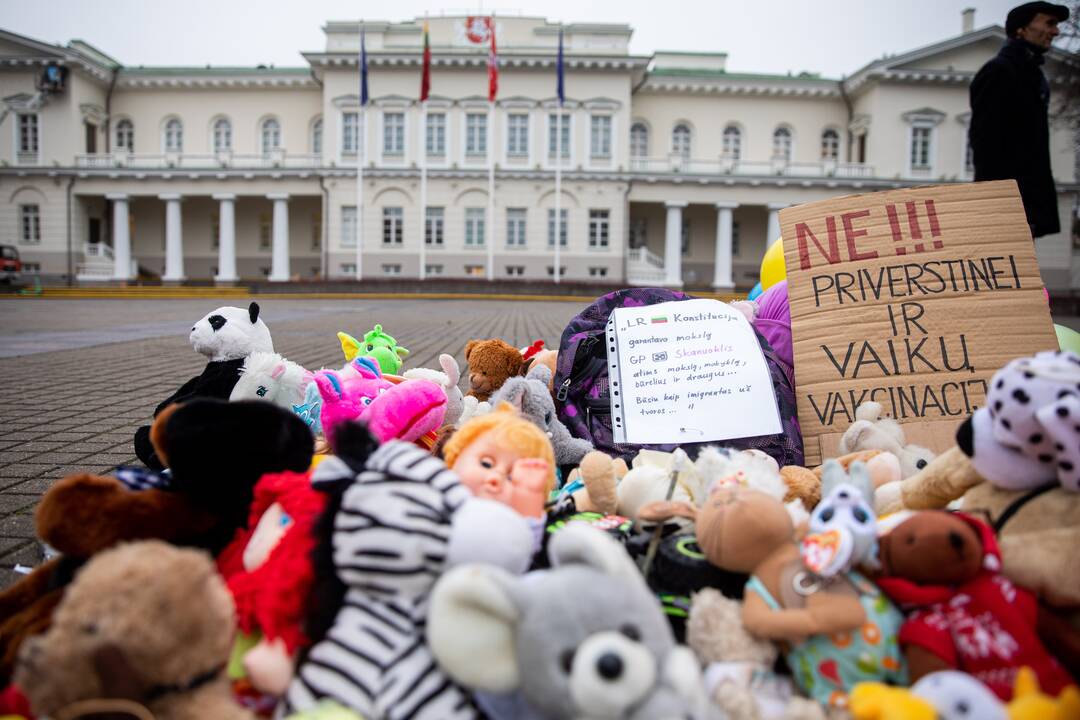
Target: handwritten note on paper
689,371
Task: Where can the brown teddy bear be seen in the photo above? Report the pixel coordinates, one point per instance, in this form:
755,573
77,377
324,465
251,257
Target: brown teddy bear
490,362
838,631
143,622
203,505
945,569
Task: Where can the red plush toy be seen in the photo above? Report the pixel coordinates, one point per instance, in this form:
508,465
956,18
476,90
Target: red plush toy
945,570
275,574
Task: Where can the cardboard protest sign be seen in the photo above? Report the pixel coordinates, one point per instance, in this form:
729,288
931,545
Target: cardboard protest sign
912,298
688,371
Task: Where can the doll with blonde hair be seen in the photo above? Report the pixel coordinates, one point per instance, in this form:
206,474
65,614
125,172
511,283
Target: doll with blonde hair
504,457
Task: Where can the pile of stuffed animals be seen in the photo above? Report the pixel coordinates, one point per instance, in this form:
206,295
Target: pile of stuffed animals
369,541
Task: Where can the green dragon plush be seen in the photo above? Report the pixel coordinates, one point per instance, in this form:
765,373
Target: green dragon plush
376,344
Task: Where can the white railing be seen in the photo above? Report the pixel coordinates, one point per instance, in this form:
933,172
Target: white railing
729,166
642,255
195,161
643,268
98,250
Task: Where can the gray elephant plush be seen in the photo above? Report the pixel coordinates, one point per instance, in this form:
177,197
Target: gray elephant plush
532,396
585,639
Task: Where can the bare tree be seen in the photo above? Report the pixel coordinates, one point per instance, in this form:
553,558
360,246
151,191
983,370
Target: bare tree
1066,74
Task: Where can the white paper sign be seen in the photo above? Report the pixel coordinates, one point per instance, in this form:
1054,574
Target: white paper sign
689,371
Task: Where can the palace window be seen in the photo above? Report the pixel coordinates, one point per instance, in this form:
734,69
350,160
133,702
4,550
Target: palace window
430,270
394,133
517,135
350,133
391,269
434,218
348,226
474,227
600,136
316,137
125,136
30,224
599,228
270,135
563,232
475,271
393,221
830,145
28,138
554,139
732,142
435,135
680,141
515,227
174,136
515,270
920,147
597,271
476,134
639,141
781,144
222,135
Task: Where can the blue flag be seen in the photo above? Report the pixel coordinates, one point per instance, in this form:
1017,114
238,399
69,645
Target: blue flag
363,69
560,89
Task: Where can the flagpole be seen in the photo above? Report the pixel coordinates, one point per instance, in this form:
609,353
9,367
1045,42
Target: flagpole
558,158
423,190
361,132
558,188
491,191
492,89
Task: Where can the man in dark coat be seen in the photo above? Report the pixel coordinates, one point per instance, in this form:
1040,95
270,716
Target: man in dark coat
1010,133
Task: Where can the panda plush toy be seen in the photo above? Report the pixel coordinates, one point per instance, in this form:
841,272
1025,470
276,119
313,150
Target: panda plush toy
226,336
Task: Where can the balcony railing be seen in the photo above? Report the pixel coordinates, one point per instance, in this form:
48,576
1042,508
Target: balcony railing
189,161
728,166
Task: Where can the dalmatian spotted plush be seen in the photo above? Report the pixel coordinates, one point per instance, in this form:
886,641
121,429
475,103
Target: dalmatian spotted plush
1028,435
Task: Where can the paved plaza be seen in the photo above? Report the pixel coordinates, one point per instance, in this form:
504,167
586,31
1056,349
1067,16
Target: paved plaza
80,375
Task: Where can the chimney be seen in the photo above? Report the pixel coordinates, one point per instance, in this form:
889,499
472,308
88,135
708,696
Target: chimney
968,15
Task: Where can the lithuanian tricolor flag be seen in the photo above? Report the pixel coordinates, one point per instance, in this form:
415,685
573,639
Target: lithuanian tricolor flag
425,72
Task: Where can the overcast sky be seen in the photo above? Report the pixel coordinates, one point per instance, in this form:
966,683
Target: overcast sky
832,37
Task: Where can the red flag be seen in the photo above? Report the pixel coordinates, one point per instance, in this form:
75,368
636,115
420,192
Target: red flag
425,72
493,64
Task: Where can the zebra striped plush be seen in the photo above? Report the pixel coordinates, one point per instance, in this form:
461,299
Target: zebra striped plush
392,539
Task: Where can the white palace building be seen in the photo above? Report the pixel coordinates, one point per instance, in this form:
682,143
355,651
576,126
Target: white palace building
673,169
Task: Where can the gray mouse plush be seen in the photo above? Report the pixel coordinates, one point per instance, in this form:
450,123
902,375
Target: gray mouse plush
532,396
585,639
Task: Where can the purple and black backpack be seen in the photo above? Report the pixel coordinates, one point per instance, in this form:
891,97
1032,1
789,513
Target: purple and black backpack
581,384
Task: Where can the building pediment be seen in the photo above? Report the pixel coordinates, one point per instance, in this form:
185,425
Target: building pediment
14,45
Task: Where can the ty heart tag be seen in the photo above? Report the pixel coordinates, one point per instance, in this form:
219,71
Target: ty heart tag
827,553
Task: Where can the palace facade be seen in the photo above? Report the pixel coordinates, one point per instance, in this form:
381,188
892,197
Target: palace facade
673,169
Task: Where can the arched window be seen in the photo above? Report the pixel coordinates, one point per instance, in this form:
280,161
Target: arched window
781,144
830,145
732,142
174,135
680,141
316,137
639,141
125,136
271,135
222,135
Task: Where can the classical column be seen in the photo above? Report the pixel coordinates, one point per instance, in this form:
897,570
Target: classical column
773,230
722,279
226,238
279,266
174,240
673,244
121,237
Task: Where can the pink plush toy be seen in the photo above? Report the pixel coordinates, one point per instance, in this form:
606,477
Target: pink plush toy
405,411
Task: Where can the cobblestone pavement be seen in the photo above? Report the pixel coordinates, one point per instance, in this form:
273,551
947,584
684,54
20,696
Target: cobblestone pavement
80,375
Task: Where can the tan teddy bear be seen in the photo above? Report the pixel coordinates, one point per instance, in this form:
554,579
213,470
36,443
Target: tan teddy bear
490,362
871,431
144,622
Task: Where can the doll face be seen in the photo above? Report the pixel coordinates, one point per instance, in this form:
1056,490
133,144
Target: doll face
484,467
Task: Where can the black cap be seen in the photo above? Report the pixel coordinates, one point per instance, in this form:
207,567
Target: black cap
1021,15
